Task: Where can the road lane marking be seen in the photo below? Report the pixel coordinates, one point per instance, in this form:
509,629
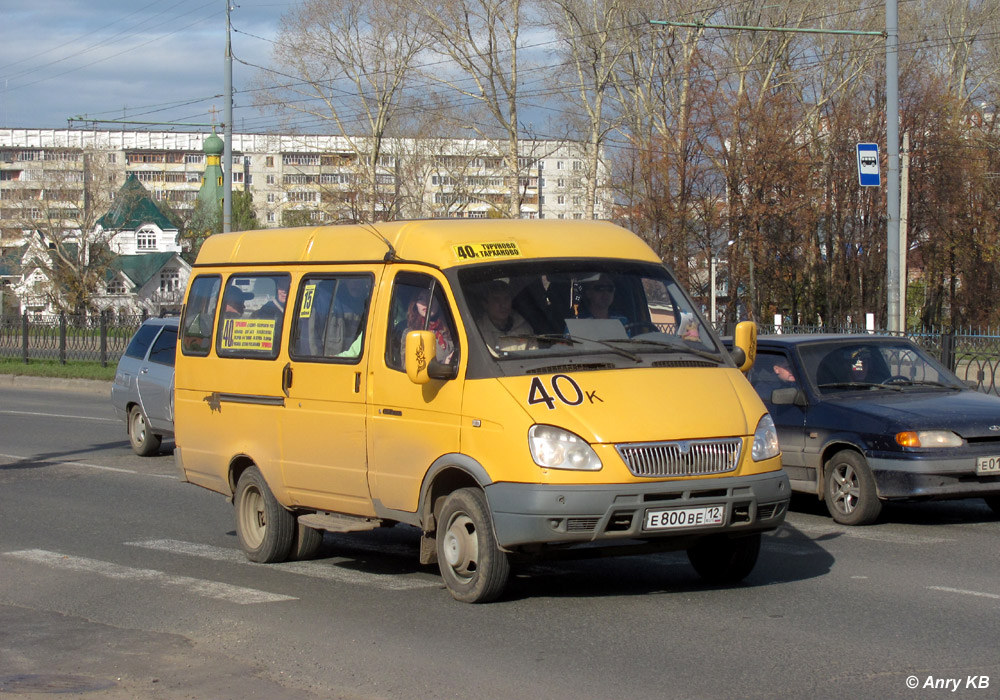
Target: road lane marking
978,594
71,463
316,569
59,415
202,587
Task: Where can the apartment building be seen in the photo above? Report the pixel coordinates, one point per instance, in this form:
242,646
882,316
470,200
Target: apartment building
294,179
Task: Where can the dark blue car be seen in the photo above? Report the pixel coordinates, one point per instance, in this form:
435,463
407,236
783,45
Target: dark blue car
864,419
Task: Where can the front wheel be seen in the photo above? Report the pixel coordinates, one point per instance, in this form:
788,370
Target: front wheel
144,442
725,560
472,565
266,530
850,489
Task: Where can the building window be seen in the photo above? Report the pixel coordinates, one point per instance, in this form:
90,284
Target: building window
270,179
577,165
116,287
561,182
269,161
145,239
170,281
561,199
270,217
559,165
194,157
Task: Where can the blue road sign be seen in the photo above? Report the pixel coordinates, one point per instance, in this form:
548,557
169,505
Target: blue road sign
868,173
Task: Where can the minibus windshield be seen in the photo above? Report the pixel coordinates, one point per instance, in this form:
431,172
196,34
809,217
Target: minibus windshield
571,307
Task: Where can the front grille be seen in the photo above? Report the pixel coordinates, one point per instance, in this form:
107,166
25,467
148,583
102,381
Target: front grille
581,524
681,457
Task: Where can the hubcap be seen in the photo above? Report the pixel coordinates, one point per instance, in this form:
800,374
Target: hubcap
253,517
846,489
461,546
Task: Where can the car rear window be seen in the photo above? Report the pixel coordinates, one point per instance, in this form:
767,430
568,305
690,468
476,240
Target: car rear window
141,340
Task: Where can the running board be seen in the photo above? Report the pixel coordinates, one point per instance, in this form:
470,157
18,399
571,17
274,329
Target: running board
335,522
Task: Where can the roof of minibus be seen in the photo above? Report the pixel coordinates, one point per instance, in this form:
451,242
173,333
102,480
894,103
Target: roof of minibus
439,242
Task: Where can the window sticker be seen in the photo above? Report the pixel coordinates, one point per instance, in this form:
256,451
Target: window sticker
487,251
248,334
308,296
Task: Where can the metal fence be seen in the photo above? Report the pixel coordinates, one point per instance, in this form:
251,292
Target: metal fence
64,337
973,355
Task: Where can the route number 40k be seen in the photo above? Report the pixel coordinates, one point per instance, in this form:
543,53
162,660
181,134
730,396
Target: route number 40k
563,388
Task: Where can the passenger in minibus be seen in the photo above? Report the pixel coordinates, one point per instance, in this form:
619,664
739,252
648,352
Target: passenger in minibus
500,324
416,320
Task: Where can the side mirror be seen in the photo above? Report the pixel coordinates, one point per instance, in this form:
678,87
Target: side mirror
421,359
745,343
789,396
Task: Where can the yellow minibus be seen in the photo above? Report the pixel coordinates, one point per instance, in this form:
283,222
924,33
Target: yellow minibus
511,388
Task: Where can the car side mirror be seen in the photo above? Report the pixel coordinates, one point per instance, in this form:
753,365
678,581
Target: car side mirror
745,342
421,359
789,396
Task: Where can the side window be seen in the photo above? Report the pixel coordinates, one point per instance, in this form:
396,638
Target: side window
771,371
253,312
330,318
140,341
164,348
199,315
414,307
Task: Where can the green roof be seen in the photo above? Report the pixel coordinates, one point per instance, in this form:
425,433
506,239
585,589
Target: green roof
134,207
139,268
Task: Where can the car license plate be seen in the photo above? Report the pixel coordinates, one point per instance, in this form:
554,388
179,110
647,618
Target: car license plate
988,465
670,518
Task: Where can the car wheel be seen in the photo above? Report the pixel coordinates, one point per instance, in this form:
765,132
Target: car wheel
724,560
266,530
472,565
306,543
994,503
144,442
850,489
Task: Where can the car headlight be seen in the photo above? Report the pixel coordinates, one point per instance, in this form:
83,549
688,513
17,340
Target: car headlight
765,440
929,438
555,448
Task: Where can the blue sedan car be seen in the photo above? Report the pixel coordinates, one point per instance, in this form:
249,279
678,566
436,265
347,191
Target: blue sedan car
864,419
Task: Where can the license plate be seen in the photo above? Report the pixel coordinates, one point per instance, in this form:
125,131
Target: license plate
685,517
988,465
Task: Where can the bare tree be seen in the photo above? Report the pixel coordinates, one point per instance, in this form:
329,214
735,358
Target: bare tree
349,64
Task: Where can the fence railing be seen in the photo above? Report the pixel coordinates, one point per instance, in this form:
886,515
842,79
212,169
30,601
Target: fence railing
65,337
972,355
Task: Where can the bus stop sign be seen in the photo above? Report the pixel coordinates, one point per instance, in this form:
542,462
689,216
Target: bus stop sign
868,173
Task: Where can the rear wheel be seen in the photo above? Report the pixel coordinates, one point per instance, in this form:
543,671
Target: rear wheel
723,560
850,489
266,530
472,565
144,442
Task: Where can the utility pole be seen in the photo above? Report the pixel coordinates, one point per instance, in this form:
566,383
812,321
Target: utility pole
892,149
904,208
227,151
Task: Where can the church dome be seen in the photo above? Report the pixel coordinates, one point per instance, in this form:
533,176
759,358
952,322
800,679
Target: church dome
213,145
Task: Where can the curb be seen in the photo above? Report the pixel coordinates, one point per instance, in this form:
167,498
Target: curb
89,386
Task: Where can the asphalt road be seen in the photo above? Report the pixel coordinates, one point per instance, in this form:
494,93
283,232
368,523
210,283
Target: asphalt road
119,581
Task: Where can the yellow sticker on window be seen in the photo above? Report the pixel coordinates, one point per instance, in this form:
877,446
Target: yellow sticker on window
487,251
308,295
248,334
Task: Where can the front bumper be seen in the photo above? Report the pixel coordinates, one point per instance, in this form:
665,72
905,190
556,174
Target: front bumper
931,478
540,514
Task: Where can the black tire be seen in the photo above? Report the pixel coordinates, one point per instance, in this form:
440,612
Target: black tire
472,565
144,441
849,489
994,503
307,542
723,560
266,530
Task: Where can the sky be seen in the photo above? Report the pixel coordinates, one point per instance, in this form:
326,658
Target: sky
136,60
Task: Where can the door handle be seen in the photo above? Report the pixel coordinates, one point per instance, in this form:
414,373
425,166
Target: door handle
286,378
390,412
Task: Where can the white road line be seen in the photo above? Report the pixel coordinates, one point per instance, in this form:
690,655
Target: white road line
960,591
59,415
208,589
99,467
316,569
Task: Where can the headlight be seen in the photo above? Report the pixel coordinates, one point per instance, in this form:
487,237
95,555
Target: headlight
765,440
929,438
555,448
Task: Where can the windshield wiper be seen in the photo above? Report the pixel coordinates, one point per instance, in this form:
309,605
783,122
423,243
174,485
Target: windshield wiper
678,345
572,340
859,385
